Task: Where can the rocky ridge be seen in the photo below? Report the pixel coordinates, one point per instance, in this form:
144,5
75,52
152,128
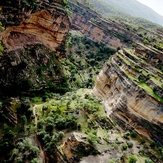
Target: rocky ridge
131,87
111,33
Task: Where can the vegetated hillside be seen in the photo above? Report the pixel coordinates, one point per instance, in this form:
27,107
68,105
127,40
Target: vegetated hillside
134,91
132,12
45,126
113,33
45,123
84,59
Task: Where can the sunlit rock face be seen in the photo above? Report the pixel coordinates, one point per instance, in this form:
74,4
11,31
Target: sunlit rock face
130,85
38,23
34,38
93,26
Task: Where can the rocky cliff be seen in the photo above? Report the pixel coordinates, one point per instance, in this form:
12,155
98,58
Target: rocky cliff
93,26
33,39
131,87
114,34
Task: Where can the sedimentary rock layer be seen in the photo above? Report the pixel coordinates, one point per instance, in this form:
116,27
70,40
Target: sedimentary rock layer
47,25
131,87
33,39
93,26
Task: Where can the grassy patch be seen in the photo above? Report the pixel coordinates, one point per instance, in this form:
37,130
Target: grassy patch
150,91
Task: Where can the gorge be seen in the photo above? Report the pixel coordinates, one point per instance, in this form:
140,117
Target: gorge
57,103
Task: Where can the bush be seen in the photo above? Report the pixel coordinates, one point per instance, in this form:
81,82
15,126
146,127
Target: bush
64,3
146,42
92,139
34,160
124,146
132,159
152,144
148,161
130,144
133,134
142,141
126,135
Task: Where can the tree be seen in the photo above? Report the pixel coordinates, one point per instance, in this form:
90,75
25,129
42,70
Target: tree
146,42
132,159
64,3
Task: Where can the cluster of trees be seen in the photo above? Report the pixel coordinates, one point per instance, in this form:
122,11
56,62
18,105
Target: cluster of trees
85,60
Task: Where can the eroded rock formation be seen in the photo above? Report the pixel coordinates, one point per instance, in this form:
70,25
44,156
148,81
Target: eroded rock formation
76,146
93,26
44,23
131,87
34,37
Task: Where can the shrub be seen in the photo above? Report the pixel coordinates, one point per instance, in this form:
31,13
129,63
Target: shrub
152,144
64,3
1,48
126,135
142,141
132,159
130,144
141,152
148,160
124,146
92,139
146,42
34,160
133,134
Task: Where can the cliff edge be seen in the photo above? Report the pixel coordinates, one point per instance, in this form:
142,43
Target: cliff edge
130,85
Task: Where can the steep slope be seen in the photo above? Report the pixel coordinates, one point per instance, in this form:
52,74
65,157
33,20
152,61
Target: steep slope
114,13
131,87
40,126
112,33
93,26
33,35
33,42
136,9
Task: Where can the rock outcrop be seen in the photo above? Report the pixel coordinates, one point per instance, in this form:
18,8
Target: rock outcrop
112,33
93,26
34,37
76,146
131,87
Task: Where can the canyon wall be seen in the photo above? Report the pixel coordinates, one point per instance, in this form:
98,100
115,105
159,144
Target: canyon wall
93,26
130,85
33,41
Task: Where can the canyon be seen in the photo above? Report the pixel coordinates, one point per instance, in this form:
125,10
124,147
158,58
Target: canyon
37,60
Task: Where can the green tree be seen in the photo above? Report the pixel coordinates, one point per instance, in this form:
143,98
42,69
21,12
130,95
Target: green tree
132,159
146,42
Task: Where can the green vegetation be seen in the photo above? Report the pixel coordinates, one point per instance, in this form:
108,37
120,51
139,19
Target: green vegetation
118,11
64,3
129,144
1,45
1,49
124,146
132,159
1,27
29,2
84,60
133,134
148,161
138,74
37,123
52,116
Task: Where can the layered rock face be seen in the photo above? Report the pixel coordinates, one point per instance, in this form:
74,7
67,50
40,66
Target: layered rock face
44,23
93,26
131,87
33,40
